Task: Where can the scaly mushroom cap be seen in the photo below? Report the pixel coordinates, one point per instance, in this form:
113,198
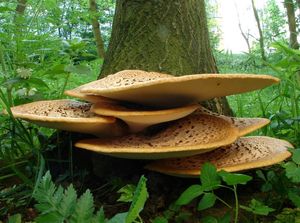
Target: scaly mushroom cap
244,125
90,98
151,88
246,153
190,135
67,115
140,118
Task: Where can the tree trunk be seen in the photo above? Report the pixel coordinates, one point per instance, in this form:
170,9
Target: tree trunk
298,3
168,37
19,27
290,11
96,29
261,37
21,6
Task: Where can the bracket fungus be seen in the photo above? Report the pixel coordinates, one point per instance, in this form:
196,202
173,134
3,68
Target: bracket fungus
190,134
244,125
140,118
76,93
246,153
193,134
165,90
68,115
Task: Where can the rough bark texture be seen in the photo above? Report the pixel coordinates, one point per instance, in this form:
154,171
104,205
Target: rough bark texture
96,29
261,37
290,10
168,37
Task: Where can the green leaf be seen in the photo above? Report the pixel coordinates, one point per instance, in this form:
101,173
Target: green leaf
84,208
159,220
189,194
225,219
234,178
209,219
139,199
207,201
126,193
292,171
68,203
119,218
296,156
209,177
17,218
295,198
78,69
257,207
100,216
53,217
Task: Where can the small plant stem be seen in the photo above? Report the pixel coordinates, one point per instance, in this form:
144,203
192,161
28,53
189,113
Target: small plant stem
224,202
65,85
236,216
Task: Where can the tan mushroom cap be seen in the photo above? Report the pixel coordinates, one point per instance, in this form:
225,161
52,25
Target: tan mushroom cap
246,153
90,98
151,88
190,135
141,118
244,125
67,115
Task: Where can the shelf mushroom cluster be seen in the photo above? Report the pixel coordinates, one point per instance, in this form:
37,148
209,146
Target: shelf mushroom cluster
147,115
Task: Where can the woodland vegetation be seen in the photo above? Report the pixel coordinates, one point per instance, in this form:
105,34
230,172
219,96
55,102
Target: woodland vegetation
48,46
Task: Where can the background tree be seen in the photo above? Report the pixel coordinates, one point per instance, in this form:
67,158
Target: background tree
290,11
96,29
273,23
260,31
161,36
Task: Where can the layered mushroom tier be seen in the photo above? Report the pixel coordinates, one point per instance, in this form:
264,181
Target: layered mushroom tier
148,115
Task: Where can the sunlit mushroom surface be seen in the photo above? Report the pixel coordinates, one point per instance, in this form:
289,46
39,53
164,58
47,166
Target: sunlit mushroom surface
246,153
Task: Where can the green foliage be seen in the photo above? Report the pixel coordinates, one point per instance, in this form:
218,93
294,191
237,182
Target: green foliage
127,193
17,218
210,181
189,194
207,201
258,208
138,201
234,178
56,204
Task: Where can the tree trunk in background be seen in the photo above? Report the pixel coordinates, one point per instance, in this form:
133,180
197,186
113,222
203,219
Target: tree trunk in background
298,3
290,11
96,29
163,36
21,7
261,37
18,32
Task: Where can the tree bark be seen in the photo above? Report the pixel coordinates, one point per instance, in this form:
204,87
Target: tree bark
96,29
290,11
168,37
19,26
261,37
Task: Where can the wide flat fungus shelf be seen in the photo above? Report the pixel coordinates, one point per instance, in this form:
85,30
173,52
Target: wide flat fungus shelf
140,118
90,98
244,125
244,154
155,89
68,115
190,135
